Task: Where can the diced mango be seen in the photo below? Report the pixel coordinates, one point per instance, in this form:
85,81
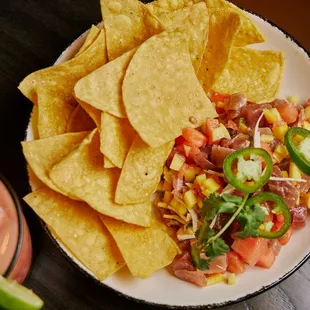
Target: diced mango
215,279
167,197
178,207
167,186
306,125
293,99
307,112
189,175
307,200
280,153
272,115
201,178
177,162
232,279
219,133
211,185
162,205
266,138
280,131
190,199
294,171
284,174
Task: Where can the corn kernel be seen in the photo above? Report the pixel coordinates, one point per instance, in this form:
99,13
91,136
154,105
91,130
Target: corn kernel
211,185
266,138
305,125
293,99
232,279
167,197
261,227
190,199
215,279
280,131
272,115
201,178
167,186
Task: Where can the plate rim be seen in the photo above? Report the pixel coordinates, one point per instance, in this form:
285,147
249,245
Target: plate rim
166,306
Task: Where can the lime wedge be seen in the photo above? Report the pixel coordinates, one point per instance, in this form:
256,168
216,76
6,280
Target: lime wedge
14,296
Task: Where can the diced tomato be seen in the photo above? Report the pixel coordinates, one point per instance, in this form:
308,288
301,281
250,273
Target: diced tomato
288,112
250,249
215,96
267,259
269,217
235,263
194,137
180,140
286,237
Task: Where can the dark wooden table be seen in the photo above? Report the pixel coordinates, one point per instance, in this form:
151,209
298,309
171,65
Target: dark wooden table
32,35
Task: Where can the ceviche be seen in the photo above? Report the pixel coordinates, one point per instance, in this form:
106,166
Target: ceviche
235,189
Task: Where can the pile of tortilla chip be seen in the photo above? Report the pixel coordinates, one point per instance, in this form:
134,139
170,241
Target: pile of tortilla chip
105,121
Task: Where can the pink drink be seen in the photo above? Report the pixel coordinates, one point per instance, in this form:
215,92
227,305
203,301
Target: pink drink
15,241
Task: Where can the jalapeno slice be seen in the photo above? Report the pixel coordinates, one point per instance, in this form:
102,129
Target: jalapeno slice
280,206
297,141
248,169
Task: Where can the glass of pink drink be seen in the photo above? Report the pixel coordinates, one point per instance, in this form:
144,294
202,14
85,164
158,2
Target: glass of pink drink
15,241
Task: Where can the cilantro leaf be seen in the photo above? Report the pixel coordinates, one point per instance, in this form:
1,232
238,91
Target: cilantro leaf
204,233
217,248
250,218
215,204
199,263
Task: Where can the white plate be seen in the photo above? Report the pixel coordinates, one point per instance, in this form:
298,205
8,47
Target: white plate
165,289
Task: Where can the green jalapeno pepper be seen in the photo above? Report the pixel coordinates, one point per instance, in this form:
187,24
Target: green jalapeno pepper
280,206
247,163
300,153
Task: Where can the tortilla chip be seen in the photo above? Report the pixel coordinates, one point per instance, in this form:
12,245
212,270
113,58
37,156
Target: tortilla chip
102,88
52,88
80,121
90,39
261,80
43,154
161,6
81,174
61,79
94,113
34,122
223,25
80,229
141,172
116,137
248,32
161,92
194,20
145,250
127,23
107,163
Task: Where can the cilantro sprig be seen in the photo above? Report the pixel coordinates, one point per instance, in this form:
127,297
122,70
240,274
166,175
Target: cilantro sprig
209,244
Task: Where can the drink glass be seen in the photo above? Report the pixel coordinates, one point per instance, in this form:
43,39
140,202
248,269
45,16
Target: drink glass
15,241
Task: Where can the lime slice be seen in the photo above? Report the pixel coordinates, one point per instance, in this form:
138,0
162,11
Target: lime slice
14,296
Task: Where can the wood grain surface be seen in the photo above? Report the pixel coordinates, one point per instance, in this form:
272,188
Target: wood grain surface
32,35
